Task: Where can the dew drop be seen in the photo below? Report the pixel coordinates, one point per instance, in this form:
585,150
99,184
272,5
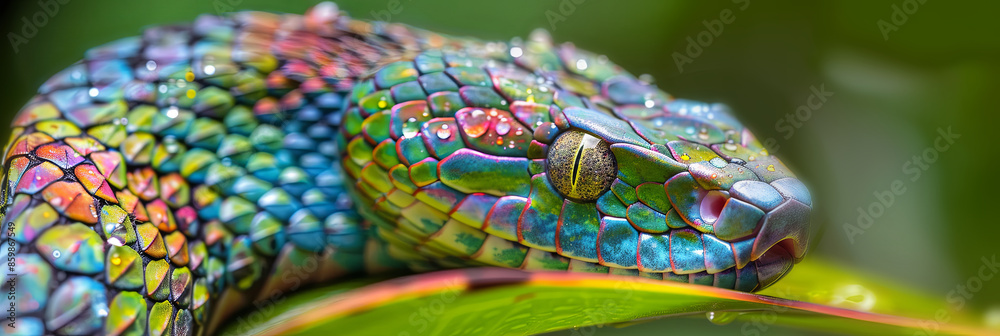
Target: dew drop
729,147
721,318
649,103
646,79
770,168
516,52
503,127
170,143
209,69
94,92
56,254
854,296
992,318
443,133
163,88
474,123
172,112
410,127
150,65
116,260
717,162
581,64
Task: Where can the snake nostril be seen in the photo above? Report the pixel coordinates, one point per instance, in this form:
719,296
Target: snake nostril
712,204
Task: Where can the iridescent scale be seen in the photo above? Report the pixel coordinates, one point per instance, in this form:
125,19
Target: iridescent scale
169,180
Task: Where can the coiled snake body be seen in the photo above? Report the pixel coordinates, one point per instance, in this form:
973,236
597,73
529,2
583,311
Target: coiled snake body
170,179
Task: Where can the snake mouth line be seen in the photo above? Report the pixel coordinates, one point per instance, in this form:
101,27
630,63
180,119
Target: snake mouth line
756,275
694,257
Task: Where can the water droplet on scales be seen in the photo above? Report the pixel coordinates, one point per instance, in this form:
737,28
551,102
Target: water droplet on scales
411,127
475,123
443,133
503,127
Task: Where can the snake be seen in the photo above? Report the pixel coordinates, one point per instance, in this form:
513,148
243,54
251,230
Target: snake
169,180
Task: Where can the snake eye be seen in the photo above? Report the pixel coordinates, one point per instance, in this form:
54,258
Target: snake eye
581,166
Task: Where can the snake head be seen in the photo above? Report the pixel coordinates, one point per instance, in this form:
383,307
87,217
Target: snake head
681,188
581,169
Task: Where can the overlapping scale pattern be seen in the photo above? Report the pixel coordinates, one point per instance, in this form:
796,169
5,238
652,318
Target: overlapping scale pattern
148,193
169,180
686,201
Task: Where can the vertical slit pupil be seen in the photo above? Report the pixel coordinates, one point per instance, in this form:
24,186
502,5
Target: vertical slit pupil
576,164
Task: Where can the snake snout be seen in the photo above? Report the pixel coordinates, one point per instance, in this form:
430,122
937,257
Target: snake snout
787,222
754,216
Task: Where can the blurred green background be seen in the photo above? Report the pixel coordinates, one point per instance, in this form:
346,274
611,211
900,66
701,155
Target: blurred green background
938,69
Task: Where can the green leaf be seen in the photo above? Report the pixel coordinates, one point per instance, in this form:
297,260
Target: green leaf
817,296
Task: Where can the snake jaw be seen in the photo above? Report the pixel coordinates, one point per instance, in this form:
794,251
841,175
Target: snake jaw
774,264
731,208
